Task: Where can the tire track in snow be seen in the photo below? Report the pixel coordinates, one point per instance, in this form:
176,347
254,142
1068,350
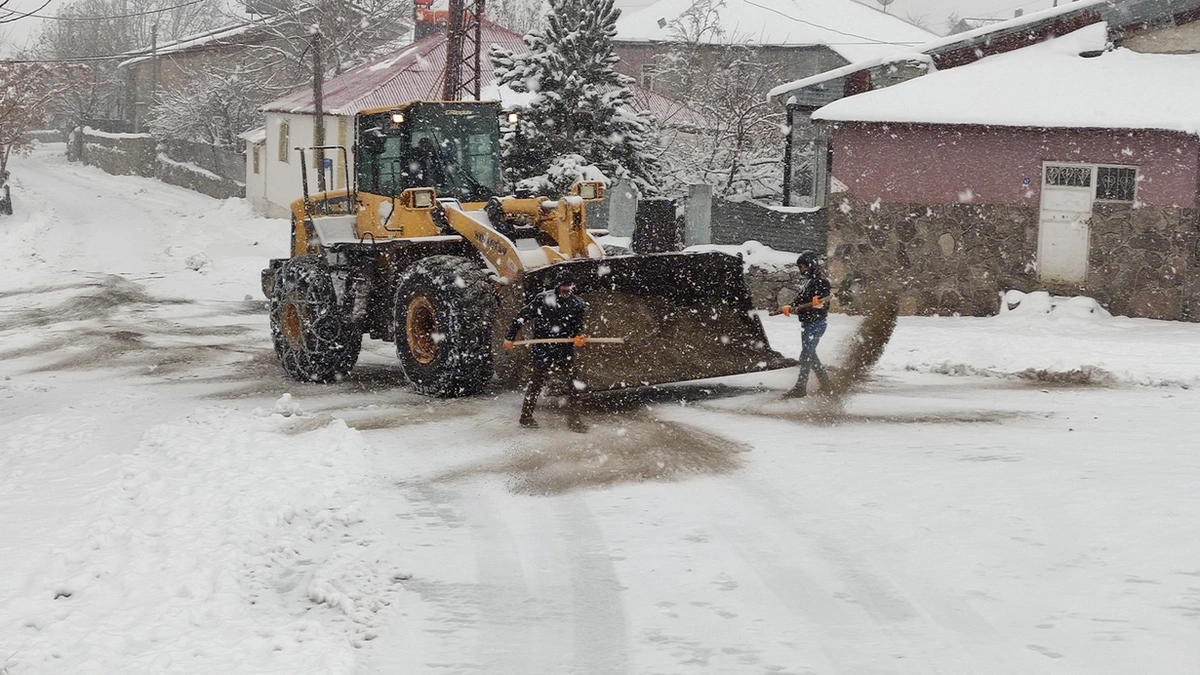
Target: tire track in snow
847,601
856,613
599,623
520,630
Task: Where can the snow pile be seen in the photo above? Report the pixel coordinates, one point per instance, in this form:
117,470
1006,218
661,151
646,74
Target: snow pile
754,254
228,543
1053,339
1016,303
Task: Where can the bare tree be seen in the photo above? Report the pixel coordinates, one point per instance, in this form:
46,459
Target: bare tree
917,19
956,24
101,33
27,88
221,98
213,110
519,16
351,31
739,151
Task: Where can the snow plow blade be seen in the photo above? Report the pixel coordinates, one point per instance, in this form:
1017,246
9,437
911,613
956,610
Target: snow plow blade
684,316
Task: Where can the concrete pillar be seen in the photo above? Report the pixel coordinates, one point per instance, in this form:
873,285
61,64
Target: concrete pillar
697,227
622,209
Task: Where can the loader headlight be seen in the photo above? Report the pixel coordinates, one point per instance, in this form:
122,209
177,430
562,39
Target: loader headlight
589,190
422,199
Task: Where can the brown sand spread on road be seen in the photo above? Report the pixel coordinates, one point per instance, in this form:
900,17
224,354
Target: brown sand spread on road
631,450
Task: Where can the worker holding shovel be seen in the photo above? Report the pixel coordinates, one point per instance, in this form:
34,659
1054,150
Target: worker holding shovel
811,309
557,317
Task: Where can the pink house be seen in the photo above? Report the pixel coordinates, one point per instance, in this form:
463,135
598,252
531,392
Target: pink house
1072,165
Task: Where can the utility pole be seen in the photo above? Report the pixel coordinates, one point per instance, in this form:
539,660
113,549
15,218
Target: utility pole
318,110
153,76
463,75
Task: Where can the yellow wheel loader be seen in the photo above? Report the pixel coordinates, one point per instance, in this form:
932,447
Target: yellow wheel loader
422,249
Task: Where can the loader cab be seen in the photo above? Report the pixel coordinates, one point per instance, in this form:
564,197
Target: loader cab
453,148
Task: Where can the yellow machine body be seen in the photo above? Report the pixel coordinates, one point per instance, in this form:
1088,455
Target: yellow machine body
425,251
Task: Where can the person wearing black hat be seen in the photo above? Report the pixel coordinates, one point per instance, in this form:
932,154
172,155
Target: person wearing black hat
554,313
812,310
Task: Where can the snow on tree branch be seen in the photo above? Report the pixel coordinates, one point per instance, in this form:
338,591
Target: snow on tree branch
579,111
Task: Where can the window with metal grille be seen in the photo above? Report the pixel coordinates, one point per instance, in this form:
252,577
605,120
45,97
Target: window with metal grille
1116,183
1069,176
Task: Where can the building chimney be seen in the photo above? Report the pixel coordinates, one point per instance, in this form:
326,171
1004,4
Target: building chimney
427,20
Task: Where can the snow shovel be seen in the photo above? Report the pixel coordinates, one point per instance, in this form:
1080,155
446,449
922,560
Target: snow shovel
787,310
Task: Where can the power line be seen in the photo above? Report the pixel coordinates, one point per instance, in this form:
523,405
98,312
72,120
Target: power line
14,14
11,18
126,56
869,40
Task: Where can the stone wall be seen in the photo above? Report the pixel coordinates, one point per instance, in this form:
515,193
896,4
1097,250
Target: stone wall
198,179
959,258
1145,261
119,154
772,288
216,172
228,163
783,229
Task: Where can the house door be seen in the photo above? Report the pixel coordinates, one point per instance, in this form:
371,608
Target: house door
1067,194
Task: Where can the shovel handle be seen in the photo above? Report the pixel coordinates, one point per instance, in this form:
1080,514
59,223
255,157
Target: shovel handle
777,312
547,341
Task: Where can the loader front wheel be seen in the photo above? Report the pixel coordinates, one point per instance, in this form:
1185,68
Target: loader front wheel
445,311
312,341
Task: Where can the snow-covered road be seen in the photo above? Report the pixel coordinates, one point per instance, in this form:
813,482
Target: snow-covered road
1011,495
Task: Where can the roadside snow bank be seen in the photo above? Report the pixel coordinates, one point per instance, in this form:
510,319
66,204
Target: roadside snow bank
1037,337
1016,303
1053,339
231,543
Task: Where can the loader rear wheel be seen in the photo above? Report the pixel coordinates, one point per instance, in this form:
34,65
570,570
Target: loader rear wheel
445,311
312,341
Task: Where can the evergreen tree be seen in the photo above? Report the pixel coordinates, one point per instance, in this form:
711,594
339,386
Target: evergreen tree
578,113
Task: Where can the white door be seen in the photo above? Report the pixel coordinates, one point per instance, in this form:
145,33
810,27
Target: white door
1067,195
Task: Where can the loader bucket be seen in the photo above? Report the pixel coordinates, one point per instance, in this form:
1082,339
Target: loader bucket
685,316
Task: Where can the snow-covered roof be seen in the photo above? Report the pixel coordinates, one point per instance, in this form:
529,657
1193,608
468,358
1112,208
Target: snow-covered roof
226,36
941,44
983,33
1058,83
258,135
852,30
240,34
414,73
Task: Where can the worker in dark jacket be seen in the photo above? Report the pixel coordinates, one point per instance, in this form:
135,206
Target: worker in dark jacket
555,313
811,309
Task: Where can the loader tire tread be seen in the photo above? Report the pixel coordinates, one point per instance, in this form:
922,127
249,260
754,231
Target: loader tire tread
312,340
460,362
